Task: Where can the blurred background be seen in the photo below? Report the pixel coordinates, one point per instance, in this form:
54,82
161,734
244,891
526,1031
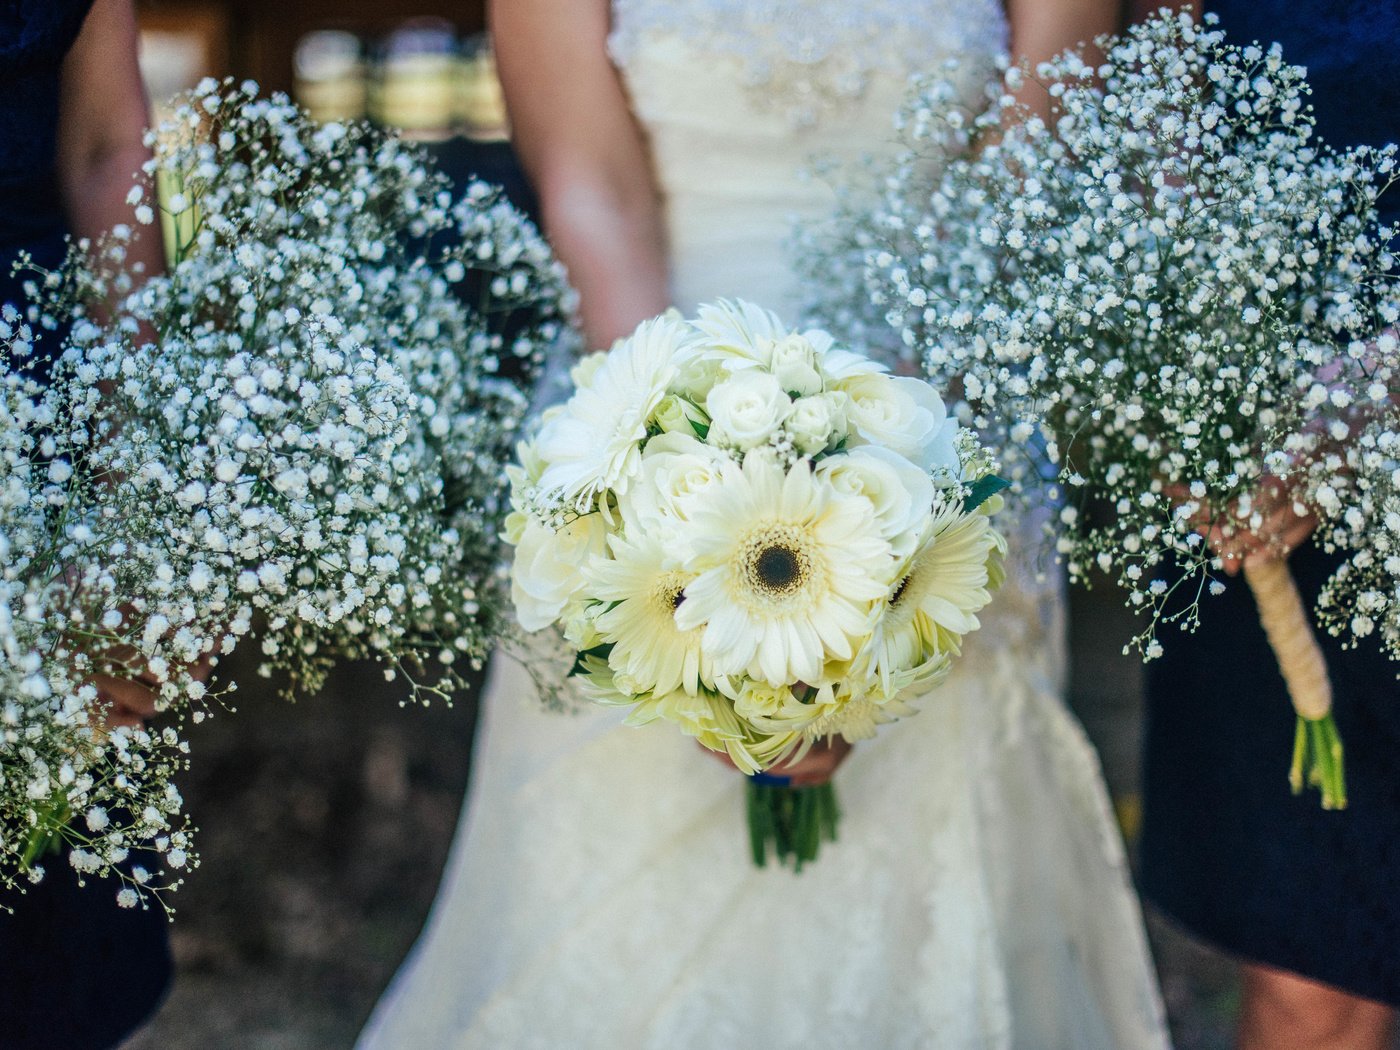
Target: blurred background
324,824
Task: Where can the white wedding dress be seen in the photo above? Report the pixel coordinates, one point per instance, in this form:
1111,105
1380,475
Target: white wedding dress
600,893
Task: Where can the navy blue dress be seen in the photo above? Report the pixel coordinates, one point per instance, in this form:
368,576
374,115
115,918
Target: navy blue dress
1227,850
76,971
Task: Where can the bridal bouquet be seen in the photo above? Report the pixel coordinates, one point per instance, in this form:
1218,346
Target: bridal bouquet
757,536
298,426
1179,289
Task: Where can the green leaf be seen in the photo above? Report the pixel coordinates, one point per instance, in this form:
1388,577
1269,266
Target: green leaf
982,490
702,430
600,651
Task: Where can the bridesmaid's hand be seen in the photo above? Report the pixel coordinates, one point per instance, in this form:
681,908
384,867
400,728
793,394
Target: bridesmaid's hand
816,767
1282,528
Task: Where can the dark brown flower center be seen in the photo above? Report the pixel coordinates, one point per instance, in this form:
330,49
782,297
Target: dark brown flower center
778,569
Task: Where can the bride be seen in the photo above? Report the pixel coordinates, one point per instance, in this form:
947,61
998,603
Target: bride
600,891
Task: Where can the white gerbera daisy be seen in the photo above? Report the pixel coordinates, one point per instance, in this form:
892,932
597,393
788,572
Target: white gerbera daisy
595,443
839,713
643,585
788,570
738,333
937,593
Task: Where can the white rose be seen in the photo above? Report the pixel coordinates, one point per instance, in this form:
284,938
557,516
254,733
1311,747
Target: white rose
546,573
579,630
900,492
678,415
905,415
675,469
838,364
793,362
772,708
697,377
747,409
816,422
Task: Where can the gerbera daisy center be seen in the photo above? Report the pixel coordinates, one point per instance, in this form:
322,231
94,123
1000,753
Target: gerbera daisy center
669,591
776,563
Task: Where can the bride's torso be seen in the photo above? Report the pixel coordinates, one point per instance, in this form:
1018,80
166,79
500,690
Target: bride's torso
740,101
741,98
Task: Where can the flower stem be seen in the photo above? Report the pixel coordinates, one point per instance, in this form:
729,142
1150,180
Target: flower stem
1318,761
790,822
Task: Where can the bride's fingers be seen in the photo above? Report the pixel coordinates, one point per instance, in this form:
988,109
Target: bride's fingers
817,766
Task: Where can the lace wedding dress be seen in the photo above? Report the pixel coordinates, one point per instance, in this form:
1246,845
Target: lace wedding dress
600,891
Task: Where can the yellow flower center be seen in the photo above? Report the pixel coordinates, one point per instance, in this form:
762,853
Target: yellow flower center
669,591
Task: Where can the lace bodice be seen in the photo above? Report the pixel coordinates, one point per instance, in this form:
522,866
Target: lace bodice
806,57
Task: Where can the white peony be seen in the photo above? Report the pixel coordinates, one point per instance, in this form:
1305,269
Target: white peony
788,570
746,410
546,573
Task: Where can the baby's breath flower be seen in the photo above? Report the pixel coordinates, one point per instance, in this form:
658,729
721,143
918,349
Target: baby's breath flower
299,423
1169,293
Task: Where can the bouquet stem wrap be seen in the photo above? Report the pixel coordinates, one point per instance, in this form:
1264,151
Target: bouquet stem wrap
792,822
1317,748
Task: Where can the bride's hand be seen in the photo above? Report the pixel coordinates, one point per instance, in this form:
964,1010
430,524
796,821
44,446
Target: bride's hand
817,766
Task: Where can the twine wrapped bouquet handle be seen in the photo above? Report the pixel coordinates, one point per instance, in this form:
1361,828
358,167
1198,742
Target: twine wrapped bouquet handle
1317,747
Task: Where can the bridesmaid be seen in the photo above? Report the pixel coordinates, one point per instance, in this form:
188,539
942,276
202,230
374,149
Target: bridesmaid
1310,900
76,971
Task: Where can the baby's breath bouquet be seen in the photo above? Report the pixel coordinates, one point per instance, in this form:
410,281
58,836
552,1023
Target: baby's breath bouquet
66,780
312,398
1177,287
299,426
755,535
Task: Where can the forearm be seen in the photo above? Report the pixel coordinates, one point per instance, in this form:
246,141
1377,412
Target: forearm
95,194
1043,29
614,249
102,118
586,156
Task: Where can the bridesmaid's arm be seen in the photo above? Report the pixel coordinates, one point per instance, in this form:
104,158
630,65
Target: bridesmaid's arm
1041,29
586,156
1139,10
102,117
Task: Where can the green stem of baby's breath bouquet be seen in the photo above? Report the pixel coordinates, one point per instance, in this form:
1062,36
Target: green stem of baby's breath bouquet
47,834
790,822
1318,760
